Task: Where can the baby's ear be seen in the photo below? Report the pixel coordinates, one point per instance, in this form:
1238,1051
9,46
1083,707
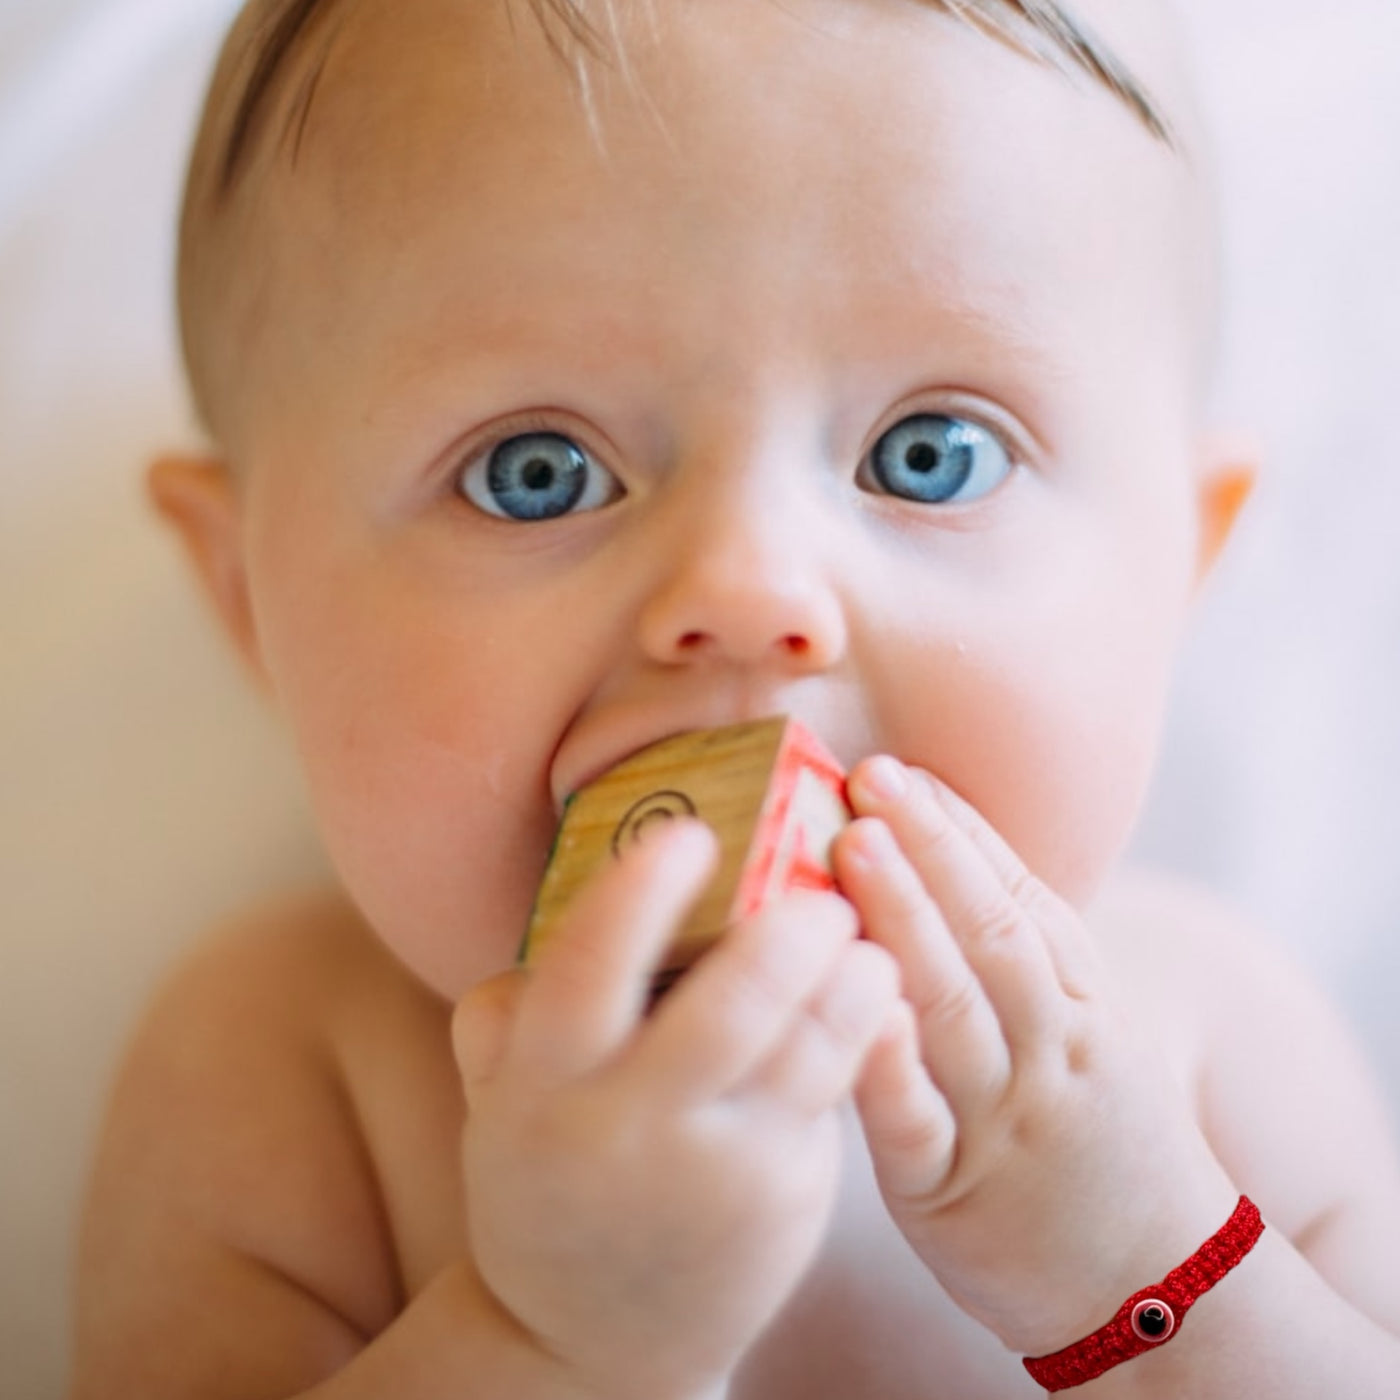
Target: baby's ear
198,496
1229,468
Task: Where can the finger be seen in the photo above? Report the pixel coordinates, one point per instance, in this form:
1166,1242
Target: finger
481,1026
1071,951
1004,948
960,1034
736,1005
590,984
816,1065
909,1126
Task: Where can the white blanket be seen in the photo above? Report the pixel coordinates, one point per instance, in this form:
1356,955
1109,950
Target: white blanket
143,792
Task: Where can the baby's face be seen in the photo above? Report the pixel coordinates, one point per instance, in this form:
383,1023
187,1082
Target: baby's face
846,368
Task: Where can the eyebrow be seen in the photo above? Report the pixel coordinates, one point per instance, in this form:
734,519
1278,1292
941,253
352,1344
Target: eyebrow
1042,29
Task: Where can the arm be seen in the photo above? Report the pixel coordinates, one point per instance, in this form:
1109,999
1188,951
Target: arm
1043,1161
1293,1111
233,1243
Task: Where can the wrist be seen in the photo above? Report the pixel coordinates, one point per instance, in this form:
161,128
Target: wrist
544,1372
1084,1270
1152,1316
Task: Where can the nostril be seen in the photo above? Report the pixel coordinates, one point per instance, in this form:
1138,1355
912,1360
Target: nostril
793,644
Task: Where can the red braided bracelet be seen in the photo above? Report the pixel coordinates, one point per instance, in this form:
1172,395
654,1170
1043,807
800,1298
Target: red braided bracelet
1150,1317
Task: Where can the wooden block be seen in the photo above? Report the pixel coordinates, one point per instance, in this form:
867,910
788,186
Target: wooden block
768,789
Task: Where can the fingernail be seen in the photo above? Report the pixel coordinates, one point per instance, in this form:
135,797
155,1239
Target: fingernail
884,779
696,838
656,819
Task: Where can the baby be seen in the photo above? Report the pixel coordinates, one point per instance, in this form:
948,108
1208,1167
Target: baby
586,375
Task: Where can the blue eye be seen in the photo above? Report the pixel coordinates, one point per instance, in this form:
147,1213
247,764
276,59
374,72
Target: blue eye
934,459
537,476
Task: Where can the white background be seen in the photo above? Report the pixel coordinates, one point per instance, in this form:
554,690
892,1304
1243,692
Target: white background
143,792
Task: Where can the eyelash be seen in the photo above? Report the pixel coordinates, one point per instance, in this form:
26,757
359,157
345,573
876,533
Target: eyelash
549,426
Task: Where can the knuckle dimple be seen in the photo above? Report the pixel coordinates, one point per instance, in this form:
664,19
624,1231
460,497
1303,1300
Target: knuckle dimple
994,926
952,1000
1080,1059
1041,904
1024,888
937,835
918,1136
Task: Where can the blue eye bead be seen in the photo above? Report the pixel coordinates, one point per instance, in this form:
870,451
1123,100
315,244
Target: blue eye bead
934,459
537,476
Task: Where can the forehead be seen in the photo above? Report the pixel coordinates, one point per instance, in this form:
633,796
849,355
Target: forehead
839,153
506,52
268,33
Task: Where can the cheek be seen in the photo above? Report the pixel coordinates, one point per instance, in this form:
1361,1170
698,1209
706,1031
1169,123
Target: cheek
1044,709
426,736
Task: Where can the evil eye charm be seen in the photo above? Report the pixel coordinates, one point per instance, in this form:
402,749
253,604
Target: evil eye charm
1153,1320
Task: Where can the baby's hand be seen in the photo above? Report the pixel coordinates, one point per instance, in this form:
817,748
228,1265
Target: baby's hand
644,1192
1029,1143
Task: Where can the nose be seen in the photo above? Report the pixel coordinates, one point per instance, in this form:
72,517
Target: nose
745,584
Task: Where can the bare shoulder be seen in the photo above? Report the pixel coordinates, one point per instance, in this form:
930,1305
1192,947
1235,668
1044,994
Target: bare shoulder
1188,962
1151,918
235,1178
1283,1092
